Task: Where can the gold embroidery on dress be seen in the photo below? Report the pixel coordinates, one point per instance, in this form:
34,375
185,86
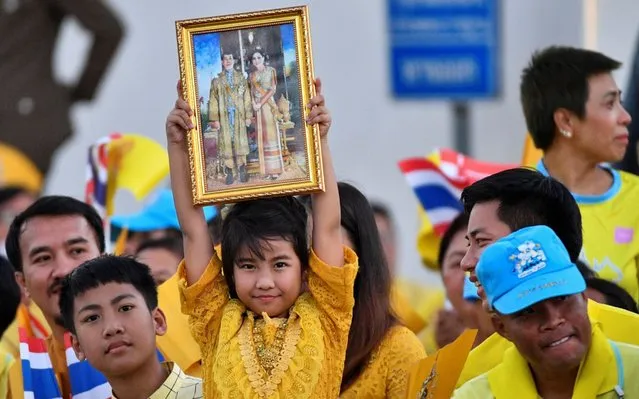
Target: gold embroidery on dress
267,347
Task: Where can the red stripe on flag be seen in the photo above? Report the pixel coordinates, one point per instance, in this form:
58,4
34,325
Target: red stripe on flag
419,164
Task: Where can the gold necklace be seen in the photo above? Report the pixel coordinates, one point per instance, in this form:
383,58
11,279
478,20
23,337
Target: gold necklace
268,338
267,348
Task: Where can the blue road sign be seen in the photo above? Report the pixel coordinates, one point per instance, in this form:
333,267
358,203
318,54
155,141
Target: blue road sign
444,49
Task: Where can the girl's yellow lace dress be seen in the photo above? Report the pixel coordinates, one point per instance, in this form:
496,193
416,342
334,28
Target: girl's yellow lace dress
246,356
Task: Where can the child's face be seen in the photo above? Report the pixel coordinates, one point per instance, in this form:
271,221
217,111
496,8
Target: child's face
271,285
115,331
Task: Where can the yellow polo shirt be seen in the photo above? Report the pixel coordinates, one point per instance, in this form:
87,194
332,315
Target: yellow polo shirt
597,377
611,244
616,324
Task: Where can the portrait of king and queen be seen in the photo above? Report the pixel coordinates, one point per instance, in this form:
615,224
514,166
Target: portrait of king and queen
249,100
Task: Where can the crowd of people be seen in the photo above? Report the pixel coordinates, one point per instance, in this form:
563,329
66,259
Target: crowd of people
298,296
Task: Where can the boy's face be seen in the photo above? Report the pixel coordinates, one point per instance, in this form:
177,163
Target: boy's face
115,331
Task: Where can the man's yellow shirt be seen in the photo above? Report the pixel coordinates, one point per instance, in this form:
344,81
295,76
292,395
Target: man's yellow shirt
617,324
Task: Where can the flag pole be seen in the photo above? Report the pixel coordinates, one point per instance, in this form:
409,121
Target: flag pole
590,24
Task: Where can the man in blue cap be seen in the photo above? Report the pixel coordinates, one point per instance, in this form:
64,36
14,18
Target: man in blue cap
157,220
537,297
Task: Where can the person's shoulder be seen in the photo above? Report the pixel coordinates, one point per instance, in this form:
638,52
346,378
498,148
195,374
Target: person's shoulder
191,388
628,349
630,356
220,75
477,388
402,339
484,357
629,182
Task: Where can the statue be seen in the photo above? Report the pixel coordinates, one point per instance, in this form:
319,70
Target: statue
34,108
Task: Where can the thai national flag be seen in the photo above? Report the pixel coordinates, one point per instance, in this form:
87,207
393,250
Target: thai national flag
438,193
98,173
438,184
39,377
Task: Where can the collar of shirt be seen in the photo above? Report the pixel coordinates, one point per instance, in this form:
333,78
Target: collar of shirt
171,384
514,371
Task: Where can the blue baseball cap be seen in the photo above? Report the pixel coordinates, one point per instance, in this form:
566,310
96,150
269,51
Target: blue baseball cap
526,267
158,214
470,290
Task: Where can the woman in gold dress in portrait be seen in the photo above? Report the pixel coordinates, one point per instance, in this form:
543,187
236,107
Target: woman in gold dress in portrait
263,82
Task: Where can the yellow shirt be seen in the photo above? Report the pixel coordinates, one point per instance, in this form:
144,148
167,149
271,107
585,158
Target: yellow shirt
611,239
177,345
6,361
314,345
10,343
617,324
177,385
405,311
417,306
386,375
597,375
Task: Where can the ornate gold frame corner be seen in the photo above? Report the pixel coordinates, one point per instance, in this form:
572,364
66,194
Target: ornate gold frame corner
185,30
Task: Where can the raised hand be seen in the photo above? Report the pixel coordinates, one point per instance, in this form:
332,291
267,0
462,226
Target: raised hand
319,114
179,122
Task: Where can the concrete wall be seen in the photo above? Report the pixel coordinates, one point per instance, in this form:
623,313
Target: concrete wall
371,130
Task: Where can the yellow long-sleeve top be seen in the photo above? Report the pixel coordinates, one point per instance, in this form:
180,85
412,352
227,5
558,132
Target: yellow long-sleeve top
386,375
313,346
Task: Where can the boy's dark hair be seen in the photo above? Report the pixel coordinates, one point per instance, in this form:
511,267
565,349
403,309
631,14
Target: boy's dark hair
458,224
528,198
10,294
253,223
171,244
614,294
51,205
103,270
372,314
557,77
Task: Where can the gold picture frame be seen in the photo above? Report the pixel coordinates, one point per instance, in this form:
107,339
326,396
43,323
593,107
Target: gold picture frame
250,138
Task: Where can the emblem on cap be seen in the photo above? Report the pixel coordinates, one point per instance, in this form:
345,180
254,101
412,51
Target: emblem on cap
528,259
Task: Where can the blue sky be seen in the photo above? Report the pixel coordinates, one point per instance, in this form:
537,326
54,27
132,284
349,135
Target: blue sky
288,42
206,47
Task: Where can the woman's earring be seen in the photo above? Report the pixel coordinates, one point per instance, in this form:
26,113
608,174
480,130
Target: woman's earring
565,133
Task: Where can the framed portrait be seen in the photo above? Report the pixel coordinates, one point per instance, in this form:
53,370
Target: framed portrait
248,78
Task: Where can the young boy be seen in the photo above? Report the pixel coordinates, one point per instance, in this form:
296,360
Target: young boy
110,306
